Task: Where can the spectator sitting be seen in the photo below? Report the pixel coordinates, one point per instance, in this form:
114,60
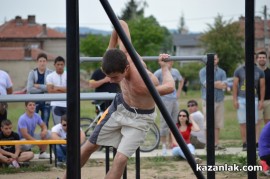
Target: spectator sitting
59,131
10,154
185,125
26,128
197,138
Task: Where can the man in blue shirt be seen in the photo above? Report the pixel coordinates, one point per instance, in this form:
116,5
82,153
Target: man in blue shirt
220,85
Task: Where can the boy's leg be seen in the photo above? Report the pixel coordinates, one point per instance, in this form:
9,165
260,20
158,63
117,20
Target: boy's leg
119,164
26,156
86,150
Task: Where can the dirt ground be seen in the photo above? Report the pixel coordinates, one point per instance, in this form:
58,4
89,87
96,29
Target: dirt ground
167,170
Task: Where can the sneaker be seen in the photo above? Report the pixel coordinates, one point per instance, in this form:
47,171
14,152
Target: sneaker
198,160
44,155
15,164
244,147
61,164
264,165
164,152
219,147
267,172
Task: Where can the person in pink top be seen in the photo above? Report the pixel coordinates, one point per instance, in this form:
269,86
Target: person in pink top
185,125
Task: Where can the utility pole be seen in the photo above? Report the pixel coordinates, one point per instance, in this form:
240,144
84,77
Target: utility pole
266,38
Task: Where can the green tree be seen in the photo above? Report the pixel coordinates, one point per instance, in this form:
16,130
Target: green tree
93,46
133,10
225,39
149,38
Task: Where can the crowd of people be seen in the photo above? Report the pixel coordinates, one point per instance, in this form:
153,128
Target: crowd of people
133,109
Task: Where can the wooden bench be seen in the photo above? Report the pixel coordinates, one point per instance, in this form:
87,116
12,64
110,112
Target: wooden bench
36,142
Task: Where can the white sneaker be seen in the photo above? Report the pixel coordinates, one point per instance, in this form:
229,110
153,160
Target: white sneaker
44,155
164,152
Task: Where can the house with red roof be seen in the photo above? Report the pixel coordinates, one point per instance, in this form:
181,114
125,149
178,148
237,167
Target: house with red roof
21,40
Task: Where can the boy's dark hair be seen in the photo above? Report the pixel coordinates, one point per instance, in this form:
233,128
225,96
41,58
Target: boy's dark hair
27,102
42,55
64,118
261,53
114,61
6,122
59,59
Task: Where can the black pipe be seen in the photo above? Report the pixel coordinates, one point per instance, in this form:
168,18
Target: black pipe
138,164
150,86
250,102
107,158
73,90
210,114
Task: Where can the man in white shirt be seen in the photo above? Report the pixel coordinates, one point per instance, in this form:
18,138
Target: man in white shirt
56,83
198,138
59,131
5,88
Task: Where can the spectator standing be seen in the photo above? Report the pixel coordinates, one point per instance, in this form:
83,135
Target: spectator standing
56,83
5,89
10,154
239,97
27,124
197,138
101,83
220,85
59,131
264,114
185,125
171,103
36,84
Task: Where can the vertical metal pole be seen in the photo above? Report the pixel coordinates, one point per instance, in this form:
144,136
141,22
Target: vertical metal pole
107,158
138,164
73,90
210,113
150,86
250,102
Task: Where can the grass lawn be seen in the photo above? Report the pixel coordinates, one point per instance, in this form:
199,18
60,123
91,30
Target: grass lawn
230,135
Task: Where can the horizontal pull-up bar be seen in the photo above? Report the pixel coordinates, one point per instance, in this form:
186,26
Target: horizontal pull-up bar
55,97
202,58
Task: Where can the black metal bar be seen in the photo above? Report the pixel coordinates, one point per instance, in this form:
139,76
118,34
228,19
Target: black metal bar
55,155
250,98
50,147
125,173
138,164
107,159
73,90
202,58
150,86
210,114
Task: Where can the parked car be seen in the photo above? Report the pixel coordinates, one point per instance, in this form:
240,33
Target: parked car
229,84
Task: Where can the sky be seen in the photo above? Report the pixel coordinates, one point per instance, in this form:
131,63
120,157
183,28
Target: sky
197,13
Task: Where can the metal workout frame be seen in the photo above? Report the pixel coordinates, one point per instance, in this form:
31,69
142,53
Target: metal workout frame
73,92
